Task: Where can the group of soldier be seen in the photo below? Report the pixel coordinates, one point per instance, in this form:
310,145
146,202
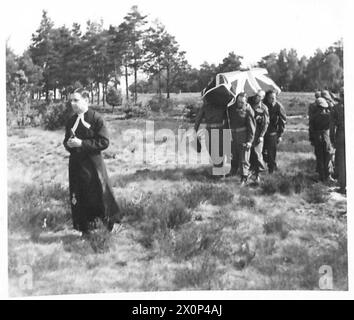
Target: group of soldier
326,134
256,127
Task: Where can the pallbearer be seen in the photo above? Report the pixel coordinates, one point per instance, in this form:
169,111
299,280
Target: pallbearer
338,120
277,121
262,120
91,195
320,123
215,118
243,127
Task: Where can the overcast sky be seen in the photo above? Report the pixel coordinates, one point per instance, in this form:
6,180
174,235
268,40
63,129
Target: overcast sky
206,30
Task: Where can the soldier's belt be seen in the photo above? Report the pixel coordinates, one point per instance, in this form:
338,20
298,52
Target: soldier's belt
239,129
272,134
215,125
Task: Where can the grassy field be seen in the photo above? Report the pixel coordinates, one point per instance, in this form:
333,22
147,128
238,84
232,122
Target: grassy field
182,229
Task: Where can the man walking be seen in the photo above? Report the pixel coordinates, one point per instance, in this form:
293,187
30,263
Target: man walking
243,127
277,121
339,142
261,116
319,125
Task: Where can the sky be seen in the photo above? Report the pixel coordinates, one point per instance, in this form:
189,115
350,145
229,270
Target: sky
206,30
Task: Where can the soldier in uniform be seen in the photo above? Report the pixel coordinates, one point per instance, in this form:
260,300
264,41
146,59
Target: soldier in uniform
243,128
319,125
90,192
215,118
277,121
311,111
339,140
262,120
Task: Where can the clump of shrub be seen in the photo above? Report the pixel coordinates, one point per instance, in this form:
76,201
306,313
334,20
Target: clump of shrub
275,224
247,201
284,183
99,238
39,207
155,216
215,194
317,193
194,239
199,275
56,115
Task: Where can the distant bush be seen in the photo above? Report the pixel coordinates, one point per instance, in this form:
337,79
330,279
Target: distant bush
114,97
56,115
159,103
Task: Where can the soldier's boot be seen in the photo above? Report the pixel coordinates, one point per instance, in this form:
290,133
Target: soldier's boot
244,180
233,172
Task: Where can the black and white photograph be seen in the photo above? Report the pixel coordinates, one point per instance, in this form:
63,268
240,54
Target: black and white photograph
176,146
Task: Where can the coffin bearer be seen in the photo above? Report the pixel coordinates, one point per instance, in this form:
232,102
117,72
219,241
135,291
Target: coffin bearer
339,142
319,125
311,111
277,121
91,195
215,118
243,128
261,116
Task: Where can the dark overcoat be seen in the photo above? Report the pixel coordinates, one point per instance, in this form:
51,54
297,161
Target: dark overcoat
91,194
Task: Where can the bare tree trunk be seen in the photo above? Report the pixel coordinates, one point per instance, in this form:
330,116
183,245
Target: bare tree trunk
126,83
135,83
160,84
103,94
168,82
98,93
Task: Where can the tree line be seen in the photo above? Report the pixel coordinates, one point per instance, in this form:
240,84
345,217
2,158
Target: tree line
61,58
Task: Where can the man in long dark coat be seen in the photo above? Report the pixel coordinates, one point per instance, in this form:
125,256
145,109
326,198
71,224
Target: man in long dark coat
91,195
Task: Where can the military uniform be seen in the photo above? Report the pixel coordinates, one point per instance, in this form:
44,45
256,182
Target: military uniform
319,125
243,128
261,116
215,118
340,165
91,194
277,121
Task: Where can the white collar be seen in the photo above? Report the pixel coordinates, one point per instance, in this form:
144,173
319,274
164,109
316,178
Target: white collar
80,117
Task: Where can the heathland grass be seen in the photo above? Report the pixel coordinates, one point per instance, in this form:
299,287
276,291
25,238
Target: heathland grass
181,229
